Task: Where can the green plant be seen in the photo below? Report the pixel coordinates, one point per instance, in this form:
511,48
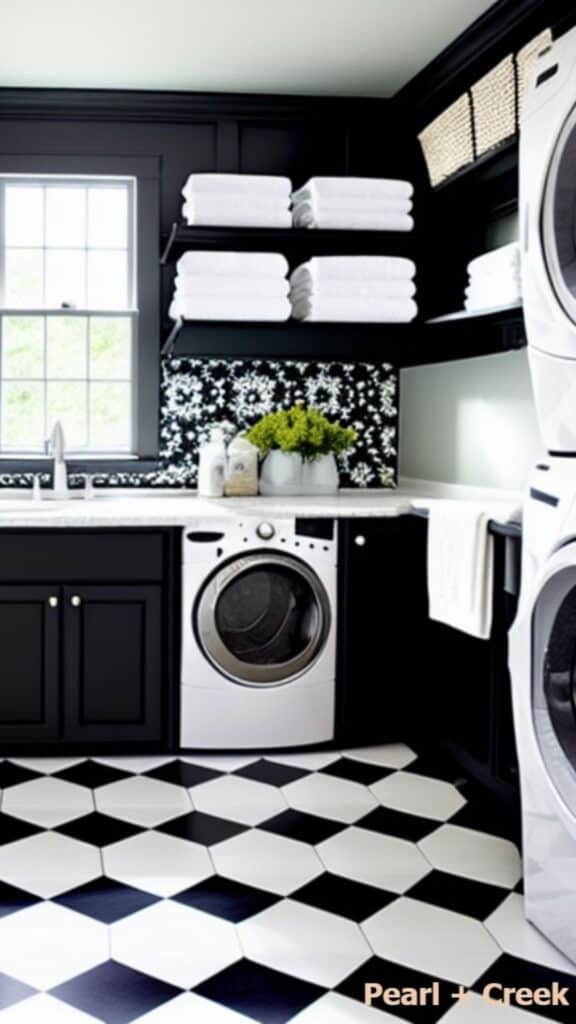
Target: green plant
306,431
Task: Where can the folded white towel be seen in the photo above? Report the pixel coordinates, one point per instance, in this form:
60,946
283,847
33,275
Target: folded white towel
353,268
304,216
251,184
198,285
368,188
488,302
355,204
202,201
496,291
387,311
259,264
243,217
486,282
216,307
496,261
340,288
460,563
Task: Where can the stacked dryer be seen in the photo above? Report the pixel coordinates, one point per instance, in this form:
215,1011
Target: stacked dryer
543,638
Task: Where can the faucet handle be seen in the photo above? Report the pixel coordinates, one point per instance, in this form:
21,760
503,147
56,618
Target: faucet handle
37,487
88,485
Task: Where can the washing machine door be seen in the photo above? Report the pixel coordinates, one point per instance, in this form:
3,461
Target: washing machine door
559,218
554,667
263,618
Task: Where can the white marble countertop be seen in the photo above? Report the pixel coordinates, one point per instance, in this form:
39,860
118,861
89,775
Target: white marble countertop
180,508
117,508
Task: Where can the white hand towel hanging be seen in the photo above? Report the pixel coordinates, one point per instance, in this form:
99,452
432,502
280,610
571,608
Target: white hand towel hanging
461,563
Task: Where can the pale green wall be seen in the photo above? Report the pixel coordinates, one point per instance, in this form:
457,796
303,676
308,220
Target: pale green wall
469,422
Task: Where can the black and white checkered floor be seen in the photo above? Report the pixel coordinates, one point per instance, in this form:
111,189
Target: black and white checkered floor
222,890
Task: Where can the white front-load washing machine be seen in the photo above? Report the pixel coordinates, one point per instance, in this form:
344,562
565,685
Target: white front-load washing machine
548,240
258,633
543,669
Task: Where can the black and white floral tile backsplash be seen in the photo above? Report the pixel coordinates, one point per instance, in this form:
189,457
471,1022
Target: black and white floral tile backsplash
198,394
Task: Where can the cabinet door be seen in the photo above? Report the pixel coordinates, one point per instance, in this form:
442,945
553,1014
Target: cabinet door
113,664
383,615
29,663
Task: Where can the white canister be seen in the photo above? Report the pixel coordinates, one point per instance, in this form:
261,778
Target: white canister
212,466
241,468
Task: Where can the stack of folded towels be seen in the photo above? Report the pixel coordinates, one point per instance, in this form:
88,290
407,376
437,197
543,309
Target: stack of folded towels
354,289
231,286
237,200
494,279
355,204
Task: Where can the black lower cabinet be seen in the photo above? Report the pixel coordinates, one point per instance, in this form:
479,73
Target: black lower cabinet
383,610
113,664
404,677
87,651
29,663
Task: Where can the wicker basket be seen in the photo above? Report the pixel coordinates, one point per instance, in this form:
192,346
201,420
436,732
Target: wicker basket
525,61
447,141
494,106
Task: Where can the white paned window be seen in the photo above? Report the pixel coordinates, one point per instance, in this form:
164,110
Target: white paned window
68,313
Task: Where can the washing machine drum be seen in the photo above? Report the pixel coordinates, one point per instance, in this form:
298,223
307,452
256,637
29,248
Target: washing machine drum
262,619
559,218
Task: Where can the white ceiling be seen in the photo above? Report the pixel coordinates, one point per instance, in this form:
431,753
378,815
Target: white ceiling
331,47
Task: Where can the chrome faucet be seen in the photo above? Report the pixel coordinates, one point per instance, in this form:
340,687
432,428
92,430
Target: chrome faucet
57,446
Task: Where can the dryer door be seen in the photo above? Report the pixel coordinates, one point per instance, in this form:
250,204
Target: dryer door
559,218
263,619
554,675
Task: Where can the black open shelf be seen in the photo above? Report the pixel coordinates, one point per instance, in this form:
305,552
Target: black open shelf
297,244
460,336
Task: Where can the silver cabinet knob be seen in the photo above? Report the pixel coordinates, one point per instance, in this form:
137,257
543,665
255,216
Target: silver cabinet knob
53,602
265,531
360,540
75,600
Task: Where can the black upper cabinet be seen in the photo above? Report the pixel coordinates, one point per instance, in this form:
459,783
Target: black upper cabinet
113,663
29,642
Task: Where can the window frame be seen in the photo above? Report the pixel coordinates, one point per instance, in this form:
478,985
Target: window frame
145,171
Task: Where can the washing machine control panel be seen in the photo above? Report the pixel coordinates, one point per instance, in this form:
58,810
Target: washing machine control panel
210,539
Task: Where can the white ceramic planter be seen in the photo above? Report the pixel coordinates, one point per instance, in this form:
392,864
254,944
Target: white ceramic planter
320,476
288,473
281,473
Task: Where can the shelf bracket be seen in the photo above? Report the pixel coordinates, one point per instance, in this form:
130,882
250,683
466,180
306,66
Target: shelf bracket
168,345
166,252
